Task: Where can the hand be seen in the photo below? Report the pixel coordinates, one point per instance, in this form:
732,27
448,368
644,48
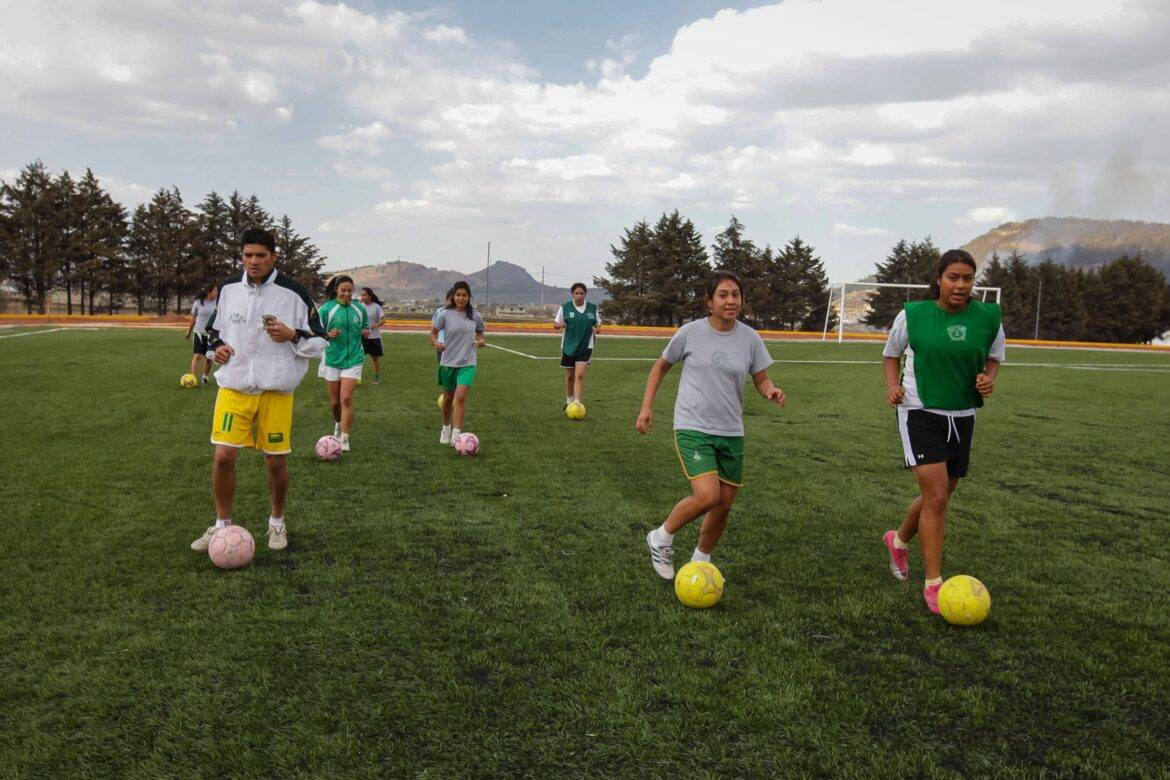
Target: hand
776,396
365,333
223,353
439,346
645,421
895,394
334,333
985,385
479,342
279,332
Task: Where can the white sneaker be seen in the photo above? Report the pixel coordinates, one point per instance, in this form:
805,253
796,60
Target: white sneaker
277,539
445,435
205,379
454,435
345,442
337,431
200,544
660,557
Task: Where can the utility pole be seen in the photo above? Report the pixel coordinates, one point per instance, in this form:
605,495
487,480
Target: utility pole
488,268
1039,290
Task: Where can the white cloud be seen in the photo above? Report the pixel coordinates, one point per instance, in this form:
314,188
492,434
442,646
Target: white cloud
365,140
845,229
986,215
443,34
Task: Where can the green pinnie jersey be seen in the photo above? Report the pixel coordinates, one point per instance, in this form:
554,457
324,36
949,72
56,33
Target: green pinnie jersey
950,350
578,327
351,319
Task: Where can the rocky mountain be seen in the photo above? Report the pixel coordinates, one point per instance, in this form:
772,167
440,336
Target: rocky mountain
509,283
1077,242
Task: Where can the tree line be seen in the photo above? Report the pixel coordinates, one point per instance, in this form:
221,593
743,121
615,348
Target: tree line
658,272
1125,300
64,235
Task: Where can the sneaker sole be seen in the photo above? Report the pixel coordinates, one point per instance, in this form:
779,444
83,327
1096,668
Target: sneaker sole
894,570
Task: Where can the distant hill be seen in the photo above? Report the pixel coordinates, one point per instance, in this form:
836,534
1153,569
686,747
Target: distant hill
1077,243
509,283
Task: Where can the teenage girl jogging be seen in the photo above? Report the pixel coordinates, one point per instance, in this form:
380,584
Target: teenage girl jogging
346,323
953,347
579,321
201,311
372,344
463,329
717,354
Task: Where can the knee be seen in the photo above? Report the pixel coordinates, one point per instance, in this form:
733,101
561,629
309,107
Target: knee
347,401
276,463
707,499
936,498
224,460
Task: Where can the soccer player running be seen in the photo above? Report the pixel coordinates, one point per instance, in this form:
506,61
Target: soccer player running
373,343
953,347
201,311
347,326
579,321
717,353
263,334
463,329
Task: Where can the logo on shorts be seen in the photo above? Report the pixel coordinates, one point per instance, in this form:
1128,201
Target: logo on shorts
957,332
275,438
698,456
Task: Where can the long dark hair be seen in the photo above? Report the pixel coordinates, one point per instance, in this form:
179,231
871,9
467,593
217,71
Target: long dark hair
334,283
461,285
718,278
369,291
949,258
204,292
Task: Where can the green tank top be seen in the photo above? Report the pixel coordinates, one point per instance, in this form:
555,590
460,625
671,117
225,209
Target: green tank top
578,327
950,350
345,351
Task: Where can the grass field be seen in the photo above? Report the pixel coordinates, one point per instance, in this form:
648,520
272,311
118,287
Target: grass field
442,616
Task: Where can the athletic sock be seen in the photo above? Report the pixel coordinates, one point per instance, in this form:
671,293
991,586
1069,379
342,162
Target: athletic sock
660,537
221,523
935,581
700,556
344,436
569,399
276,523
446,429
899,544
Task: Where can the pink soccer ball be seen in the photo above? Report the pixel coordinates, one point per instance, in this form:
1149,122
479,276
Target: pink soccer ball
231,547
328,448
467,444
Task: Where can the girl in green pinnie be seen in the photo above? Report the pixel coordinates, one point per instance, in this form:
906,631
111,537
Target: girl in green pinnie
953,347
346,323
579,321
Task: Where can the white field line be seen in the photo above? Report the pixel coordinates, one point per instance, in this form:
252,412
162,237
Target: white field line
1076,366
31,333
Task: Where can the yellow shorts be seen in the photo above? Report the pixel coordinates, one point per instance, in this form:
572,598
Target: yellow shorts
261,421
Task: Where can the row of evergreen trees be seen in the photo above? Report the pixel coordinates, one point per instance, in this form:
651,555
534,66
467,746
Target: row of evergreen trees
61,235
657,276
1125,300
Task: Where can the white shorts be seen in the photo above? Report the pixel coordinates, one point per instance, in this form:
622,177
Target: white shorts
331,374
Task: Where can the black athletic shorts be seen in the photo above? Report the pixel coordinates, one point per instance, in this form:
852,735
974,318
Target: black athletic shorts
373,347
198,343
936,438
568,361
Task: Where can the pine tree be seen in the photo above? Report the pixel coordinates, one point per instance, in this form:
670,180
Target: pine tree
681,270
732,252
630,276
299,258
215,240
1125,301
28,241
908,263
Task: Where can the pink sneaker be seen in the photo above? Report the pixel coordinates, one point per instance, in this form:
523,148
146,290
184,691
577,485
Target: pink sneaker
930,595
899,559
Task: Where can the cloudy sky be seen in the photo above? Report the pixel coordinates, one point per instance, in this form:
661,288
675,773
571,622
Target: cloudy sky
423,131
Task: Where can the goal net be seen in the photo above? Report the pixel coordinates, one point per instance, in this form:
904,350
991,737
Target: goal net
852,301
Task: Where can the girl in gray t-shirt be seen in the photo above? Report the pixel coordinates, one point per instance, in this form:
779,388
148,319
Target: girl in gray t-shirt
717,354
463,329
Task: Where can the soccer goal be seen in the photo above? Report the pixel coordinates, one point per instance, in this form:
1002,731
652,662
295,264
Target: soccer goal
852,307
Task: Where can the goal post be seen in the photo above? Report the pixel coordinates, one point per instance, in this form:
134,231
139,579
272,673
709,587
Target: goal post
842,290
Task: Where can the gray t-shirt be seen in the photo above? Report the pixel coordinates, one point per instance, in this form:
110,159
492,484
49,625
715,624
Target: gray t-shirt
460,337
715,366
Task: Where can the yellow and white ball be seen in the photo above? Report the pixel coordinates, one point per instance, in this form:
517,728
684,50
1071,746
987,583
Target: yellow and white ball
575,411
964,601
188,381
698,585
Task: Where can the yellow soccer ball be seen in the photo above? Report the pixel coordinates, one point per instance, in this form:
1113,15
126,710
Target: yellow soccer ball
575,411
188,381
440,402
698,585
964,601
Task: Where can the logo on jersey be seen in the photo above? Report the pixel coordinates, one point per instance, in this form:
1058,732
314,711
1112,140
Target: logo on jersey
957,332
236,318
572,314
719,360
